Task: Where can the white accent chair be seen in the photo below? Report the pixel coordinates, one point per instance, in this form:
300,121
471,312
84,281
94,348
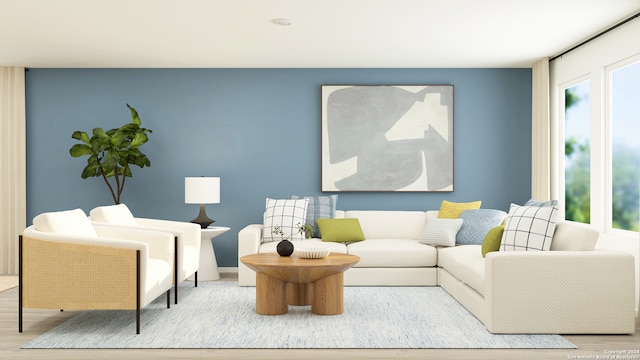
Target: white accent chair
187,234
66,262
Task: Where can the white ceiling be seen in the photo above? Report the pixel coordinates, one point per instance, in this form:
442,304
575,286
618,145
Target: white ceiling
324,33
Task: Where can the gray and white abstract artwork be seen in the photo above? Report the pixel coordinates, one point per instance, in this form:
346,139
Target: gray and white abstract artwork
387,138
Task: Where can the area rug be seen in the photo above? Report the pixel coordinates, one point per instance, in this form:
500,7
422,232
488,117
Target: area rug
222,315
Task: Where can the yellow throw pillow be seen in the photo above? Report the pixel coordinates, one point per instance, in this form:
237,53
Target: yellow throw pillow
451,210
340,230
492,240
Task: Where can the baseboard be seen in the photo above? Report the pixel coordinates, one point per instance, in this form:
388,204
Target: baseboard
228,270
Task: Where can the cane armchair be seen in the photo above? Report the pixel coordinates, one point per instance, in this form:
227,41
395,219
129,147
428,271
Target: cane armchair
187,257
66,262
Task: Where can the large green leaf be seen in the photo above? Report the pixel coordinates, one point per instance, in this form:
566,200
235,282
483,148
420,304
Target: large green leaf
129,128
82,136
78,150
99,133
139,139
119,140
134,115
111,159
91,171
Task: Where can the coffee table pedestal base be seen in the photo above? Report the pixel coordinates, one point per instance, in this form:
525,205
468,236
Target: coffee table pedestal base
326,296
271,295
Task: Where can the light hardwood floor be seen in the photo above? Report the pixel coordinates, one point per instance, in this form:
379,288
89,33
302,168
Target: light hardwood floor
39,321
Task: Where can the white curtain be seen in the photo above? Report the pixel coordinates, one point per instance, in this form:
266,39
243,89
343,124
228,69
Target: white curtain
13,177
540,132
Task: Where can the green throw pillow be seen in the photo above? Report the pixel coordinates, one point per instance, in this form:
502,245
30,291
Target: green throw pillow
340,230
492,240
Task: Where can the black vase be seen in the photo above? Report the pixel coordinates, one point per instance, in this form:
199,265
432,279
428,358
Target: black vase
285,248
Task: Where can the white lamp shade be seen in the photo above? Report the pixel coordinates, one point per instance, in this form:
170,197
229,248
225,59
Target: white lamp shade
202,190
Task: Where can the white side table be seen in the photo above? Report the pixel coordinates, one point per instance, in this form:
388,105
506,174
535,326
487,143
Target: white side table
208,270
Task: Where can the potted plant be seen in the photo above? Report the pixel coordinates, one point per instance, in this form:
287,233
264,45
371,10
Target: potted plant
285,247
111,153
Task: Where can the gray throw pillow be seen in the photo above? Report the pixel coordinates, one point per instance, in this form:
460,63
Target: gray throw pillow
320,207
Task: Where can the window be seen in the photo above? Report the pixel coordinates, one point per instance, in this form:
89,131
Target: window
624,99
595,110
577,119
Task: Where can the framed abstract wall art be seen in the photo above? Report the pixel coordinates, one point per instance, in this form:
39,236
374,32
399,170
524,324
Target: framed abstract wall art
387,138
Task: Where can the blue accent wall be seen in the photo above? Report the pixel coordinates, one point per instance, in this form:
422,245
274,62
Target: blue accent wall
259,131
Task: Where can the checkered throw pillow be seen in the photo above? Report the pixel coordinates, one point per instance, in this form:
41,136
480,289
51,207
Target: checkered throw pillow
286,214
529,228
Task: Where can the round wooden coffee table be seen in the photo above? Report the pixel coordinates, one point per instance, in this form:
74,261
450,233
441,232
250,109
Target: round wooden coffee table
291,280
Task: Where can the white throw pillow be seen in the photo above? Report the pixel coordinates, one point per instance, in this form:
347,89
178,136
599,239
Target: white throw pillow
69,222
286,214
441,232
113,214
529,228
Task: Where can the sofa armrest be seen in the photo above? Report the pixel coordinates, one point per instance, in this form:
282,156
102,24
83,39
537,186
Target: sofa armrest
249,240
563,292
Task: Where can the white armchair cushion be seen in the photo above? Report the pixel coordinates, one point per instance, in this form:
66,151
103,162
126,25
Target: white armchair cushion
113,214
286,214
70,222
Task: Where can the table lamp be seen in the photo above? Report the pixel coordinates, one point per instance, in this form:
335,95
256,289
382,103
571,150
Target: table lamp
202,190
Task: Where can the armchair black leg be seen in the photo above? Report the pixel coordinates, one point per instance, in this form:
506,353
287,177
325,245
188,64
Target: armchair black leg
196,278
20,283
175,265
137,292
168,299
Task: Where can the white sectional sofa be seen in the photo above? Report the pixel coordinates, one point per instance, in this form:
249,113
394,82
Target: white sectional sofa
572,289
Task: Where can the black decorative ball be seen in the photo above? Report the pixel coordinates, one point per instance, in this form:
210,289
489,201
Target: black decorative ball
285,248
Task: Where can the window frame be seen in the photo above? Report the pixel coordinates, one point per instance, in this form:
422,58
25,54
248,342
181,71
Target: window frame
608,144
562,139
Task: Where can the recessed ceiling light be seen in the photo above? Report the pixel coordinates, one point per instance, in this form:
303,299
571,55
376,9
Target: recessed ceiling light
281,21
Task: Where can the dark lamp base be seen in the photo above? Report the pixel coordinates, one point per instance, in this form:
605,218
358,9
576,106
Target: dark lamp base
202,219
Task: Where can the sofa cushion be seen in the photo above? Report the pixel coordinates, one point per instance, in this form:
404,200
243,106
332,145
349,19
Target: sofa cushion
340,230
113,214
529,228
574,237
476,225
286,214
68,222
441,232
452,210
319,207
399,253
315,243
464,262
492,240
389,224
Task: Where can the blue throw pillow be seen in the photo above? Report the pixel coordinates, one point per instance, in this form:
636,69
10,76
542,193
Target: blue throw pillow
320,207
476,224
534,202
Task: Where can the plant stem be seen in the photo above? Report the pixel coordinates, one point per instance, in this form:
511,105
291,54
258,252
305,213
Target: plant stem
113,195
